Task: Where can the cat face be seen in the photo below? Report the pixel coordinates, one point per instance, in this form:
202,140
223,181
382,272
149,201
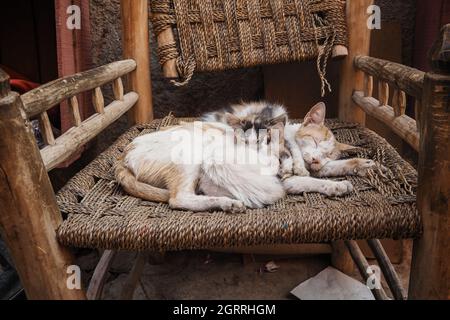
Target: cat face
317,143
257,123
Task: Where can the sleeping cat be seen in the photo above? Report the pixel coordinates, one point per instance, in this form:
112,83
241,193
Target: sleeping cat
305,148
315,151
196,173
254,117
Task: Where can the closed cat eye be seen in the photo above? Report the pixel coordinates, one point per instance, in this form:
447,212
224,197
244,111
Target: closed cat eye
312,139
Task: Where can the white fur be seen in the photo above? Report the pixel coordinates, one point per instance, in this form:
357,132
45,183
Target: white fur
220,175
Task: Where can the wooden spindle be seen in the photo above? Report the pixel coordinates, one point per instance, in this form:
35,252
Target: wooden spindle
383,93
368,85
118,89
75,111
98,100
388,269
399,102
363,267
46,129
95,289
417,111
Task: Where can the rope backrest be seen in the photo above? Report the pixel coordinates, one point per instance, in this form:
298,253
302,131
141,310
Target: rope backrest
215,35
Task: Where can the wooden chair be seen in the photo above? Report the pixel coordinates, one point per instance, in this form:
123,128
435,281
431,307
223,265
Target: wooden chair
30,217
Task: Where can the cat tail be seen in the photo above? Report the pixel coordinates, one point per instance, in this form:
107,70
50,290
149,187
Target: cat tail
136,188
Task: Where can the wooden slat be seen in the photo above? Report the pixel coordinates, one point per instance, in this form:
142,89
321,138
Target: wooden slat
134,276
75,111
399,102
397,75
280,249
76,137
118,89
417,111
387,268
98,279
368,85
46,129
98,101
44,97
403,126
362,264
383,93
341,258
339,51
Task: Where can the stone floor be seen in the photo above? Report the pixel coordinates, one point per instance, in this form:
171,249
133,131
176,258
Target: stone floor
211,275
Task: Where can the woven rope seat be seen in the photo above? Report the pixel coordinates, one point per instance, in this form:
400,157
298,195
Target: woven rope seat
99,214
214,35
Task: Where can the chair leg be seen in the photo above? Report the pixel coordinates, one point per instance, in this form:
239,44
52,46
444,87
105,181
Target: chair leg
95,289
134,276
340,257
388,269
363,266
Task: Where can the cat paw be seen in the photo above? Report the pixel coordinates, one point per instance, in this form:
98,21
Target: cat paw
338,189
285,173
301,171
233,206
364,165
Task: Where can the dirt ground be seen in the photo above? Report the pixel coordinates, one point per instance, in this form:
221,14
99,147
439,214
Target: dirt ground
212,275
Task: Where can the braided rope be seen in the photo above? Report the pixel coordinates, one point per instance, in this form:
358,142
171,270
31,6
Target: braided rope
215,35
101,215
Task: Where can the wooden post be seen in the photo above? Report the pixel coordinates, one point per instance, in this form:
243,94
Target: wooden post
341,258
29,214
359,44
430,270
136,44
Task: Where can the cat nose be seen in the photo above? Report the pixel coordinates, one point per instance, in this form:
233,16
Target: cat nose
315,160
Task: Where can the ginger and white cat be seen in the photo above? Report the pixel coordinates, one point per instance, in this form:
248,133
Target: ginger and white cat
190,167
315,151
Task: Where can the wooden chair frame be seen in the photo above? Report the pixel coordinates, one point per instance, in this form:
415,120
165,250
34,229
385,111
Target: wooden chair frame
29,211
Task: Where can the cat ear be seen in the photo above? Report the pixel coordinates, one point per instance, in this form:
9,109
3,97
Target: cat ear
316,115
232,120
345,147
279,120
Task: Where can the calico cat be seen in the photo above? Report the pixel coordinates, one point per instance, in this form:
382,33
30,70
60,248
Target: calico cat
253,118
196,174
